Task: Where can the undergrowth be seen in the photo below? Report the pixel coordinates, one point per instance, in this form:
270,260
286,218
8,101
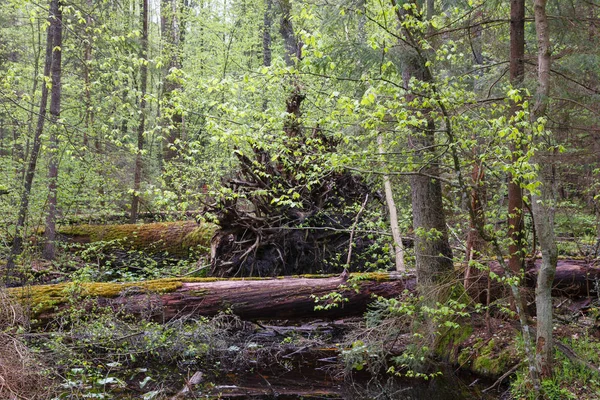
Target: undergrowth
569,381
22,374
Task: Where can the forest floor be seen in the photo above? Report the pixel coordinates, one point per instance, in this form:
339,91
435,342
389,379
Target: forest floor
108,355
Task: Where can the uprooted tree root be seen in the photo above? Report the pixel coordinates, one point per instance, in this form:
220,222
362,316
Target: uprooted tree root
20,371
281,220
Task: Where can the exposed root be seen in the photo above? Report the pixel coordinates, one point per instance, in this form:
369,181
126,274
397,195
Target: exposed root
20,372
284,218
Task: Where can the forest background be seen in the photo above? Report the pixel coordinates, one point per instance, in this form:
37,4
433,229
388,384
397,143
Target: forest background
469,128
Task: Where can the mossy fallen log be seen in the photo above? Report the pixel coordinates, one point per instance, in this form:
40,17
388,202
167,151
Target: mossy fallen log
259,298
574,278
249,298
175,238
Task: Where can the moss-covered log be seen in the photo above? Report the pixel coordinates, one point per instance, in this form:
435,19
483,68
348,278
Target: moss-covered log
574,278
174,238
260,298
250,298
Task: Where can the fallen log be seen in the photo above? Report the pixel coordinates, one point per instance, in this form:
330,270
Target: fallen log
264,298
575,279
250,298
175,238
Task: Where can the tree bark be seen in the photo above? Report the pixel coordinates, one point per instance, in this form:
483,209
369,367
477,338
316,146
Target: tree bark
49,251
137,175
87,56
389,198
280,298
17,245
267,39
543,204
256,298
175,238
171,31
434,262
515,192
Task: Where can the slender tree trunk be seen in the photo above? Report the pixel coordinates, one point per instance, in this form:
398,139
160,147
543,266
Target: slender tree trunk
389,198
137,175
267,24
17,246
292,54
515,192
475,243
172,37
543,203
286,29
87,57
49,250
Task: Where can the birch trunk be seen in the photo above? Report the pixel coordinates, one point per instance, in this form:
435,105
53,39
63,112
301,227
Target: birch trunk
389,198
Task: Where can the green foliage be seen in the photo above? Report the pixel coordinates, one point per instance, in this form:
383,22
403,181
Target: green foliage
570,381
420,328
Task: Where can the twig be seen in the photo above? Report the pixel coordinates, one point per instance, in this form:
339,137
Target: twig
194,271
352,232
503,377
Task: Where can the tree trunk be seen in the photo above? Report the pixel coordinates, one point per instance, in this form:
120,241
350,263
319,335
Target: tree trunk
543,204
433,254
178,239
137,175
267,23
171,32
475,243
292,54
389,198
254,298
55,96
280,298
89,114
515,192
17,245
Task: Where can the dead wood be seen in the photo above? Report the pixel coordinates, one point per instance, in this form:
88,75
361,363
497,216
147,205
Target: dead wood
287,216
575,279
260,298
251,299
174,238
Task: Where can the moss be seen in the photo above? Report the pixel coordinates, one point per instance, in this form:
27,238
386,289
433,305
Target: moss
487,360
45,298
175,238
449,341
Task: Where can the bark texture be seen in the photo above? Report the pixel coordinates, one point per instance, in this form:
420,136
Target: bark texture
281,298
260,298
137,174
515,192
171,33
49,251
433,253
543,204
17,245
389,198
176,238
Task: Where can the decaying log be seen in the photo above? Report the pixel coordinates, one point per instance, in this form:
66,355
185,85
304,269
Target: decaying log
574,278
254,298
260,298
175,238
